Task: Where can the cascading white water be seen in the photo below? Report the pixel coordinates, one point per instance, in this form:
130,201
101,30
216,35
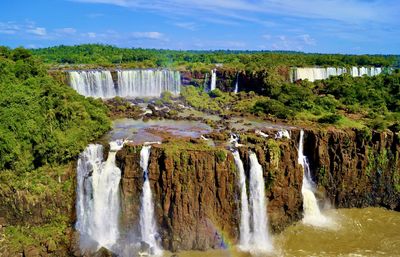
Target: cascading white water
205,82
131,83
315,73
312,213
98,203
364,71
354,71
331,71
148,83
245,236
237,84
93,83
213,84
283,133
340,71
260,239
148,227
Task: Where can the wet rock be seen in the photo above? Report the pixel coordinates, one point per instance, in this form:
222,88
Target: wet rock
31,251
2,222
218,136
103,252
144,247
51,246
355,168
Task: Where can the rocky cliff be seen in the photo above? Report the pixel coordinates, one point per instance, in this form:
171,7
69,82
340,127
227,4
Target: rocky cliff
197,192
248,80
356,168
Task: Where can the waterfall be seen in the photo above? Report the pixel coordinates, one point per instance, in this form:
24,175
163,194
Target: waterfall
312,213
237,84
130,83
205,82
364,71
213,80
260,240
98,203
254,235
148,227
148,83
340,71
93,83
282,133
313,74
245,235
331,71
354,71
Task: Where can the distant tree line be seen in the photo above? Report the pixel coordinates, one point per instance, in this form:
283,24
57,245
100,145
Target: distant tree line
106,55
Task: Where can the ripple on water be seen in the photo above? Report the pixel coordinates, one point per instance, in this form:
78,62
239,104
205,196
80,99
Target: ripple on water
369,232
140,131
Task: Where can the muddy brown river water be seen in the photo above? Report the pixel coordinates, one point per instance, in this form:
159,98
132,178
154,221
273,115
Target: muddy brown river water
366,232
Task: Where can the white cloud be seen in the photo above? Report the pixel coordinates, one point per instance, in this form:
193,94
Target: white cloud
148,35
95,15
32,46
31,32
8,28
307,39
39,31
220,44
67,31
287,42
349,11
186,25
124,3
91,34
266,36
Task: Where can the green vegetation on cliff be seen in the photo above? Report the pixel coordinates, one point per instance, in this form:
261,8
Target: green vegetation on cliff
106,55
344,101
37,208
42,121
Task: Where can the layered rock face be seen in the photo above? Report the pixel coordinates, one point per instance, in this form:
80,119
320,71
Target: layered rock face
196,193
257,81
356,168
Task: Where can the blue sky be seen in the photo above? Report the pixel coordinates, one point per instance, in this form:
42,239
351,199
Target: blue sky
325,26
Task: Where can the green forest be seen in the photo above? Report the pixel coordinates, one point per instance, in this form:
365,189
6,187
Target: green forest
106,55
42,121
343,101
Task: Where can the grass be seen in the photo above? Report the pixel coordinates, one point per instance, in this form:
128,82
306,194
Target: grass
17,237
345,122
37,182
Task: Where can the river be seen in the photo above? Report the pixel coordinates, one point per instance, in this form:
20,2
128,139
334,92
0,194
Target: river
368,232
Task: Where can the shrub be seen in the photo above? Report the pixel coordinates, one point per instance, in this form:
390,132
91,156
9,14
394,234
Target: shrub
273,107
220,156
166,97
215,93
378,124
328,103
330,118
